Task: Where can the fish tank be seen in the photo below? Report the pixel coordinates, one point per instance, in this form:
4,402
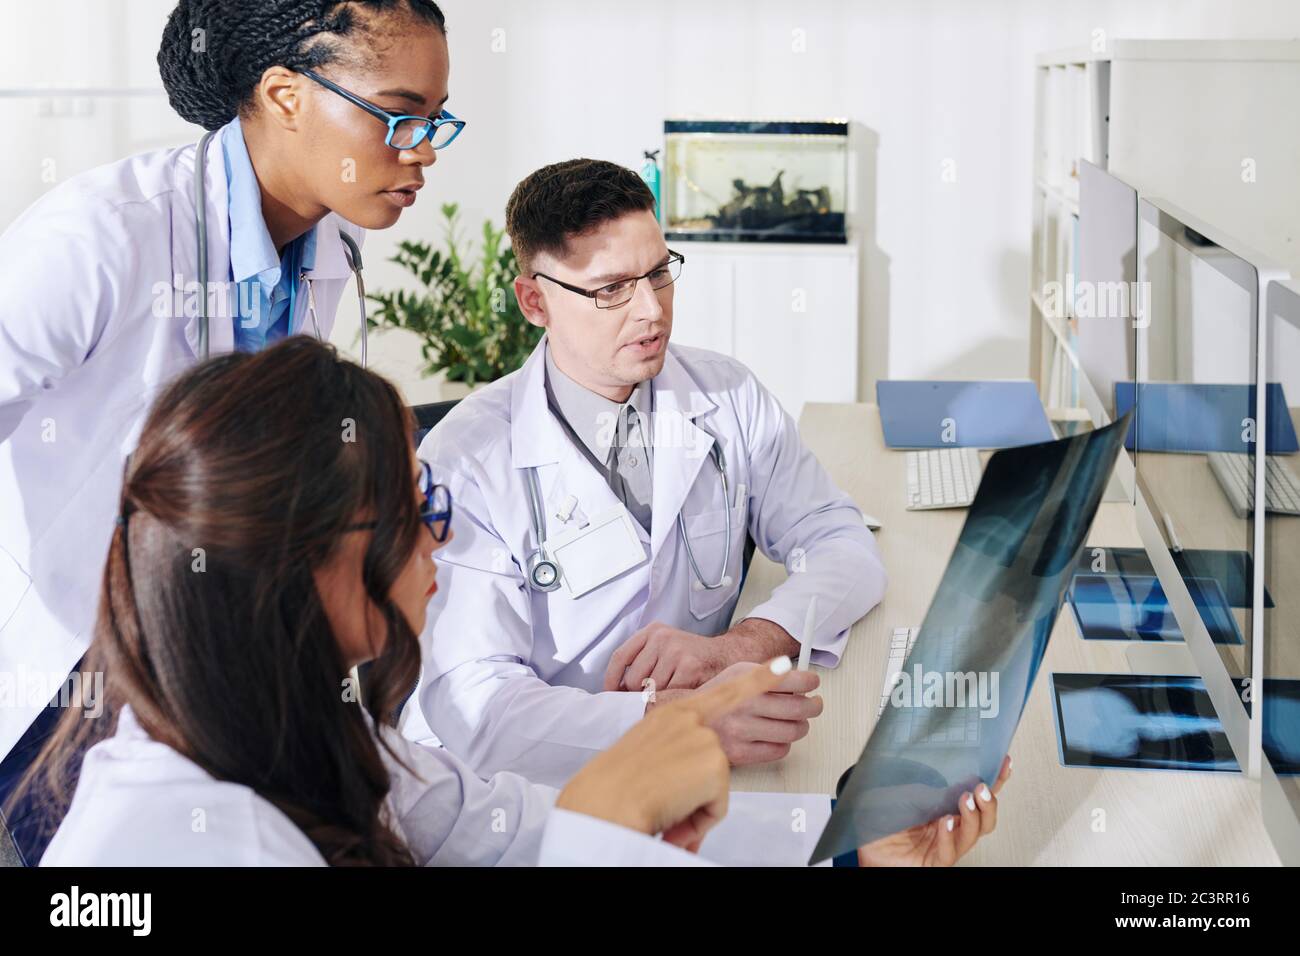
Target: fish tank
772,181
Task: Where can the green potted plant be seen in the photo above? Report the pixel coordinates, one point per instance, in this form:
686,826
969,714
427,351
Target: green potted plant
465,313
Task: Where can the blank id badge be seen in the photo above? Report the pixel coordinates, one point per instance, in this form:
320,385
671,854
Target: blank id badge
600,552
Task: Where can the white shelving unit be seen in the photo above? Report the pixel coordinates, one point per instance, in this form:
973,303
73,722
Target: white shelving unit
1072,121
1205,124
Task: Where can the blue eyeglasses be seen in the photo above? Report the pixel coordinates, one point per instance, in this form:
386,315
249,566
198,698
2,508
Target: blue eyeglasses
435,511
404,131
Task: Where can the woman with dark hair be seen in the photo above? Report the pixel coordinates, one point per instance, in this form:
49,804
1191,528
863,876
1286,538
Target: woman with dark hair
253,563
324,115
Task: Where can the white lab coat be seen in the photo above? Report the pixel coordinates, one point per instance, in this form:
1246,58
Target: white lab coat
141,803
512,677
89,334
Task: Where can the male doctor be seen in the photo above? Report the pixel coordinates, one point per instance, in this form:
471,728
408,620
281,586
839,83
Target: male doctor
643,466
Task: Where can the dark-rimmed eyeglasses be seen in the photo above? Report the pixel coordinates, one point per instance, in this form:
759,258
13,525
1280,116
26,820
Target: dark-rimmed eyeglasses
435,510
404,131
620,293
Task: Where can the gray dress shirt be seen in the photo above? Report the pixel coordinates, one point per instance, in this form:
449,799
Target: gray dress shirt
615,438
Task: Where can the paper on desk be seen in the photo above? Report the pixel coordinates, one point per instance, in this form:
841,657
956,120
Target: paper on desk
768,829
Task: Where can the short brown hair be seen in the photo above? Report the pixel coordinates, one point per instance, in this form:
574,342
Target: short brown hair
567,199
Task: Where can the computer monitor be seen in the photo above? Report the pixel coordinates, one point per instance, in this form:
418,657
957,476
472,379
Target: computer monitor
1280,785
1198,364
1105,296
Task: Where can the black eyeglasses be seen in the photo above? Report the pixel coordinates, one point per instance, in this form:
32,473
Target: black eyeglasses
435,511
620,293
404,131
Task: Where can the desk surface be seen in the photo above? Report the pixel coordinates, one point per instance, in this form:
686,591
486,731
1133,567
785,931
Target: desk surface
1051,815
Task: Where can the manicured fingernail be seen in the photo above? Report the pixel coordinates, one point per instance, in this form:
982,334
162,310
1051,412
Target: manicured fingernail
781,665
950,824
970,802
1008,761
985,795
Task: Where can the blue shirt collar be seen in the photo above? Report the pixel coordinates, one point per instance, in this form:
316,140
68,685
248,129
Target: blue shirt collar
252,252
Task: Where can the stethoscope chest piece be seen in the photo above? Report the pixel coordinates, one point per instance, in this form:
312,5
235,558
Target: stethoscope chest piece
543,573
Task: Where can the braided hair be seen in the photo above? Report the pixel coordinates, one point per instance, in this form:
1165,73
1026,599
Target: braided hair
214,52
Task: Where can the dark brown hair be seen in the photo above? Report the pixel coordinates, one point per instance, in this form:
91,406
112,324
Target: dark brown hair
569,199
249,469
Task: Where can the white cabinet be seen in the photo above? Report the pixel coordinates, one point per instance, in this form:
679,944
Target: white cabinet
789,312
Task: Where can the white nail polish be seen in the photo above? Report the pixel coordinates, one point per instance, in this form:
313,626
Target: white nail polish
970,803
950,824
781,665
985,795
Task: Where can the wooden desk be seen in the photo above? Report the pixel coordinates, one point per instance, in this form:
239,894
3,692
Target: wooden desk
1050,814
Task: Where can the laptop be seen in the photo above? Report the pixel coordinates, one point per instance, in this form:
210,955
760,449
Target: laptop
960,414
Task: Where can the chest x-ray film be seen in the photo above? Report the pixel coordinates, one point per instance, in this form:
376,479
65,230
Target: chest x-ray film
950,718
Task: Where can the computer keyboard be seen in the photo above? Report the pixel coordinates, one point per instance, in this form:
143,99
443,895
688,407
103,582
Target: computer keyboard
1236,475
942,478
943,726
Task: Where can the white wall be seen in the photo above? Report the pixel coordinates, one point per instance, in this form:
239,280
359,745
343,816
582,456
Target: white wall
945,263
85,45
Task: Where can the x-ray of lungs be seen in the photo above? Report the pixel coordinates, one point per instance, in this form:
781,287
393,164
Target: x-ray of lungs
950,718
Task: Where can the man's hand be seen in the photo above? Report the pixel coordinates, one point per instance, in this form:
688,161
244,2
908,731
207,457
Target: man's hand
762,728
673,658
669,657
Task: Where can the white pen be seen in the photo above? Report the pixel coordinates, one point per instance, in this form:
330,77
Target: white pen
1174,543
805,645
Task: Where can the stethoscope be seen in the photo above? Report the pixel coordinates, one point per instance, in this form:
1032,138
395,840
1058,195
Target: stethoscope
543,572
201,224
